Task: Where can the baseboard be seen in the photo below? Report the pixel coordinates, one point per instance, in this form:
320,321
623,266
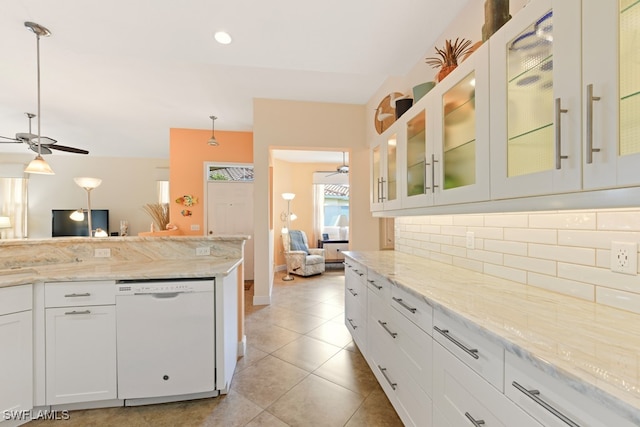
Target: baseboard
242,346
167,399
258,300
280,267
110,403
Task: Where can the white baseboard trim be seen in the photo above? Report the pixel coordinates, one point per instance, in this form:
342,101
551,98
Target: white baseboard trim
258,300
281,267
242,346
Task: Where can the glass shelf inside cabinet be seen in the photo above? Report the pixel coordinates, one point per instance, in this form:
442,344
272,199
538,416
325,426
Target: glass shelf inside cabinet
629,77
459,147
416,152
530,136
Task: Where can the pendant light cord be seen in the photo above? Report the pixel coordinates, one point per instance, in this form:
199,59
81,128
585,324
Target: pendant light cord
38,74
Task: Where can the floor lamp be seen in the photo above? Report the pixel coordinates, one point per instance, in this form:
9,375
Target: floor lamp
288,197
88,184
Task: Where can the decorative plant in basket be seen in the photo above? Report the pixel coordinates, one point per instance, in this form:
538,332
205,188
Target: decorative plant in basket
159,212
447,59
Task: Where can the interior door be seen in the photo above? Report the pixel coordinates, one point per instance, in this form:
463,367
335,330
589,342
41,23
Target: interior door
230,211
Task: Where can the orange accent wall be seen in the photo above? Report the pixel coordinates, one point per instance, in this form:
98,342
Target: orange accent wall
188,152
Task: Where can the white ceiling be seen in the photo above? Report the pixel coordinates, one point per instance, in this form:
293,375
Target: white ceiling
117,75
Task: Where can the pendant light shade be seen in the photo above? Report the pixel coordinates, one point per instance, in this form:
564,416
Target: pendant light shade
38,165
212,141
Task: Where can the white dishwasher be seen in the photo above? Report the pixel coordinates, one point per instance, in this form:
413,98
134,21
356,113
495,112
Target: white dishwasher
165,338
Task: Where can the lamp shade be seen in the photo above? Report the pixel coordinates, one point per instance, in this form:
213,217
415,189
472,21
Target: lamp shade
343,221
39,166
87,183
5,222
77,215
288,196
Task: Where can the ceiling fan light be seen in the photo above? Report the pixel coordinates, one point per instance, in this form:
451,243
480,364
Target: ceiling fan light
212,141
39,166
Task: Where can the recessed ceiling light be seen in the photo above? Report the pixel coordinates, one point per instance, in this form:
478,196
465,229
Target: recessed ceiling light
222,37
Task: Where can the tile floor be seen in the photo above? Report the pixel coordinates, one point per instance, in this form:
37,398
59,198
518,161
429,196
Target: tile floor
301,369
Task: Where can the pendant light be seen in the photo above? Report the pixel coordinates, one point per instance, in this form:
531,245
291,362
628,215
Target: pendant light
212,141
38,165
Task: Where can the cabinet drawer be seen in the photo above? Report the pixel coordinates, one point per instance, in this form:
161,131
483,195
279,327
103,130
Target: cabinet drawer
14,299
479,353
413,308
379,285
355,290
356,267
562,401
355,319
461,395
67,294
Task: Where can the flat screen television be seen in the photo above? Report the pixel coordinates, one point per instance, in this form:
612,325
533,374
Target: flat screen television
62,225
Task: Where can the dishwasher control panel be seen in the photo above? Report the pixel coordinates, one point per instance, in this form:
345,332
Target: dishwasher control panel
163,287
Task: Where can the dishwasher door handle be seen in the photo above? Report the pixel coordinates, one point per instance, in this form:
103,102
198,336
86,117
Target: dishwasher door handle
165,294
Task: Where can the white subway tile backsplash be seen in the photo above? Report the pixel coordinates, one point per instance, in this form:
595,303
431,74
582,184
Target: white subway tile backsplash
506,220
569,220
566,252
564,286
619,299
586,256
531,235
619,220
531,264
513,274
506,247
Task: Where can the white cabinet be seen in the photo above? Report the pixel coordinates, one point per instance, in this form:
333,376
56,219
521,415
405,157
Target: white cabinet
80,342
16,352
464,398
564,101
535,101
355,302
552,402
333,251
385,173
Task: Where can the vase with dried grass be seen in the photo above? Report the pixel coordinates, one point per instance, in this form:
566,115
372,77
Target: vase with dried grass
159,212
447,59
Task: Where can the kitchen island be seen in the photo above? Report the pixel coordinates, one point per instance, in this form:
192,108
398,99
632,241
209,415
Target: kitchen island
63,308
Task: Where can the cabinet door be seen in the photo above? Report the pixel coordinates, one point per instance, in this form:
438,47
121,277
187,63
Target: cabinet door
81,354
611,90
418,191
376,178
16,362
386,176
460,157
461,396
535,101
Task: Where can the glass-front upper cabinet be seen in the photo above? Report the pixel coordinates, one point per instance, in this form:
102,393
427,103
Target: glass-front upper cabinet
611,91
458,167
416,193
385,176
535,101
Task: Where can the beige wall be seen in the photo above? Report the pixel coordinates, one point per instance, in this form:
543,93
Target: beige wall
282,124
127,185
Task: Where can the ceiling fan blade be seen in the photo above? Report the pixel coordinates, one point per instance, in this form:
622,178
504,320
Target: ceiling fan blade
9,140
43,149
44,140
65,148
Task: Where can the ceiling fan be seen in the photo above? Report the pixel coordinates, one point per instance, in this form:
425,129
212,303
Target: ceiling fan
45,143
342,169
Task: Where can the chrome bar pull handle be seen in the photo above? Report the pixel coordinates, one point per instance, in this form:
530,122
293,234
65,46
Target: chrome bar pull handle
590,100
351,323
78,312
373,282
476,423
433,174
473,352
354,293
405,305
426,187
535,396
75,295
384,326
559,110
382,182
384,373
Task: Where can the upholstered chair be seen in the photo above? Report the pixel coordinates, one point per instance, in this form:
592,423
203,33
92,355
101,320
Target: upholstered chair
301,259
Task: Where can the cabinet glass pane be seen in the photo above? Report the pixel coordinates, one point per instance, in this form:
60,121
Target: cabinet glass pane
416,146
392,186
459,163
375,185
530,146
629,77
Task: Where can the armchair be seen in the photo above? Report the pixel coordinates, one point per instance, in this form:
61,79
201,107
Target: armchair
301,259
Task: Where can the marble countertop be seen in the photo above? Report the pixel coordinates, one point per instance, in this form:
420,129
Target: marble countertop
593,348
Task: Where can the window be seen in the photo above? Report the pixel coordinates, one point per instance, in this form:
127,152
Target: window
331,198
230,172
